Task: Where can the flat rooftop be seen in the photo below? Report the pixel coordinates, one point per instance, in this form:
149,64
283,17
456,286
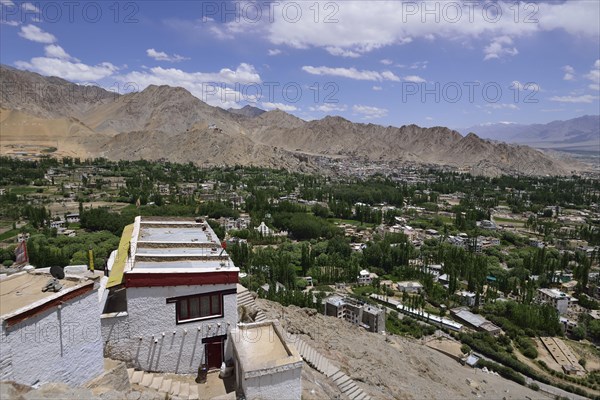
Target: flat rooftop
176,245
183,266
184,233
21,290
259,346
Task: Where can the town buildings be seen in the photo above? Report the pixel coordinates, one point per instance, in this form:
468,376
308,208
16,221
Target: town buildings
409,287
369,317
555,298
365,277
476,321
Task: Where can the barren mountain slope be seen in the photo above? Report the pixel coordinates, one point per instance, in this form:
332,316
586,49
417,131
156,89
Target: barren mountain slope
201,146
392,368
157,108
163,122
68,135
48,97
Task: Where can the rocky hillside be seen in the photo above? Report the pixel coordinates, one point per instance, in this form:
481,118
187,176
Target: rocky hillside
163,122
391,367
247,111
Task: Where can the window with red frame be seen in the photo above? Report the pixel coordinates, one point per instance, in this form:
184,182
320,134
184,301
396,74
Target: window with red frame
199,307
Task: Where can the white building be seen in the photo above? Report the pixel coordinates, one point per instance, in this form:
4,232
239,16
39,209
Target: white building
57,224
50,336
72,218
264,230
365,277
266,367
555,298
367,316
467,298
172,297
409,287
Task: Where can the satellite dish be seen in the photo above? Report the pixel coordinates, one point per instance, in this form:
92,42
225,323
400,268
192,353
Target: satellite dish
57,272
53,285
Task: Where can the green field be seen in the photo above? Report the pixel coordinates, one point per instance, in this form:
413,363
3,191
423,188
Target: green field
23,189
8,234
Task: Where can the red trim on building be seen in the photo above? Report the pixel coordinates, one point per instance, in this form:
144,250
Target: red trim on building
49,305
180,279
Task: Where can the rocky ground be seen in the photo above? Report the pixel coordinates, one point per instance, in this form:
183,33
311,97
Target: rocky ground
390,367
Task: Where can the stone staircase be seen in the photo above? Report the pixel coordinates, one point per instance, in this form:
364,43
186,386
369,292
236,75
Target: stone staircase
170,386
244,298
316,360
313,358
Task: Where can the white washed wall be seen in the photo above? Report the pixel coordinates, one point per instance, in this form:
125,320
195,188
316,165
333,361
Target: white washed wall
283,384
59,345
180,350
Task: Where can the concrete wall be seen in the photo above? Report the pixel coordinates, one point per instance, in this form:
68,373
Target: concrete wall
59,345
138,339
279,384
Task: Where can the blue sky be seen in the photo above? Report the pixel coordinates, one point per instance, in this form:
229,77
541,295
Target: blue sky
446,63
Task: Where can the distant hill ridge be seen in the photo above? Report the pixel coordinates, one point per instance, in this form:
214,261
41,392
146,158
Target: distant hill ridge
163,122
581,133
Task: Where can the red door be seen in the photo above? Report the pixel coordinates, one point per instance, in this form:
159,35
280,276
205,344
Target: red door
214,354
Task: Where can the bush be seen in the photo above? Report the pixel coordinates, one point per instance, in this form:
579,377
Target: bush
505,372
7,263
465,348
530,352
534,386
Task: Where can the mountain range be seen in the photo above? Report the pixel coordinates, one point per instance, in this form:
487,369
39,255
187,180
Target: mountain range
162,122
577,134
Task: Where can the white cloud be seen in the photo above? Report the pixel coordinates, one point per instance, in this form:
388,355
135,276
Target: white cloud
30,7
552,109
7,3
337,51
419,65
352,73
569,73
274,52
329,107
369,112
243,74
213,88
359,29
34,33
55,51
162,56
383,23
386,61
500,47
280,106
529,86
74,71
377,88
502,106
586,98
594,76
9,23
414,79
429,118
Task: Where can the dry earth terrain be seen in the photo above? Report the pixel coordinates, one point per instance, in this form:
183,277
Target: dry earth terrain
392,367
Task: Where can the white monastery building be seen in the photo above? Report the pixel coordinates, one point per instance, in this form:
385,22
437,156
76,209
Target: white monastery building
172,297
